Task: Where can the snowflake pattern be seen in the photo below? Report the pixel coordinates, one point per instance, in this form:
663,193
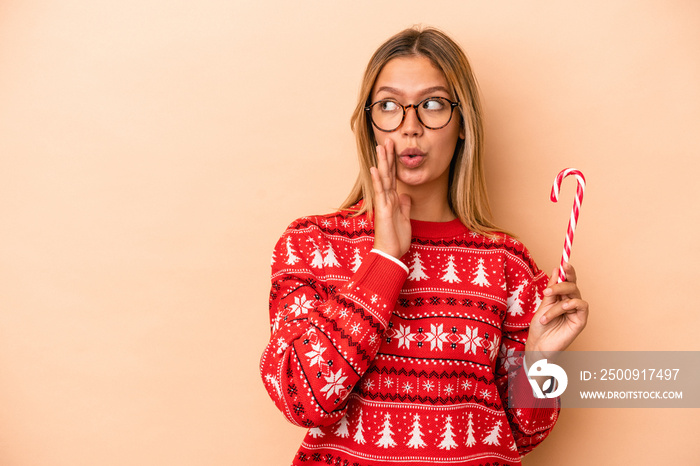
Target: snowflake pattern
316,354
493,347
301,305
440,339
429,321
436,336
509,357
335,384
471,340
404,336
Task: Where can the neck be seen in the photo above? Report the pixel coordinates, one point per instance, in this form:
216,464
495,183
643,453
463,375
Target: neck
428,203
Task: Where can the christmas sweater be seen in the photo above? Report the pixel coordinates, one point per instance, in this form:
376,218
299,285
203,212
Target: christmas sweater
389,361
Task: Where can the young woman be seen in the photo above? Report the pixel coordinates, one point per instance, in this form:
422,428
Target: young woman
398,322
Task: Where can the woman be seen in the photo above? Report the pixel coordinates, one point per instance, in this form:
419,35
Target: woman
397,321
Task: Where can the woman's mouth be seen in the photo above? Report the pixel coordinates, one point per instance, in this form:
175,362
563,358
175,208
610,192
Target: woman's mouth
411,157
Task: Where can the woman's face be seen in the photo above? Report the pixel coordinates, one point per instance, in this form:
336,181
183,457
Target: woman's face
423,155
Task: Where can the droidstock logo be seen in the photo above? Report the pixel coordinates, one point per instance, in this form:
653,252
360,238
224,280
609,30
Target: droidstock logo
555,373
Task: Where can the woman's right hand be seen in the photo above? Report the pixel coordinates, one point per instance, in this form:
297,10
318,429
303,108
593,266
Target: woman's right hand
392,221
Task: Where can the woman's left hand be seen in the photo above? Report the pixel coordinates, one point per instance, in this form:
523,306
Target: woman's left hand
560,318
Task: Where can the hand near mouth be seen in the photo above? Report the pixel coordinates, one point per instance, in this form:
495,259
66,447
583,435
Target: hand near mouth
392,221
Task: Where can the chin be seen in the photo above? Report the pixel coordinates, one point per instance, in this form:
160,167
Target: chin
414,181
409,177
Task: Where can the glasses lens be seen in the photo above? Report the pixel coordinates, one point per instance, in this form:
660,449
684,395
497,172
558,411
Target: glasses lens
435,112
387,114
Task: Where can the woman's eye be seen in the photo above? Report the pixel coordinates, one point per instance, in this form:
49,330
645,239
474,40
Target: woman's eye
389,106
433,104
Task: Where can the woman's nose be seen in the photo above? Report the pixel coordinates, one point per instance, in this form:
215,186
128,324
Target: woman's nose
411,124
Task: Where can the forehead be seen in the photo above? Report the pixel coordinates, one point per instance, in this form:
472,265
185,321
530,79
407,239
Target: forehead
410,76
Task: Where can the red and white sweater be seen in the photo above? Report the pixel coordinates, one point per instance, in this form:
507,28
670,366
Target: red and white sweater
389,361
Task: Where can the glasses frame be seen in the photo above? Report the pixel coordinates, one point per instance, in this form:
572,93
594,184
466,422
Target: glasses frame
368,109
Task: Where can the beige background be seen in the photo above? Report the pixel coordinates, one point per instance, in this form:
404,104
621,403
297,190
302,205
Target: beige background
153,151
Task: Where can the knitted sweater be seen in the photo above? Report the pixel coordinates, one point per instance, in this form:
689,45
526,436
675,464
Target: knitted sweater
389,361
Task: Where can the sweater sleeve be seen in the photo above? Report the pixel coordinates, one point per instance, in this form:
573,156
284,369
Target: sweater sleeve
323,337
530,419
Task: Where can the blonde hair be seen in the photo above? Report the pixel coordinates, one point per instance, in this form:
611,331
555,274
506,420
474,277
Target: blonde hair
467,195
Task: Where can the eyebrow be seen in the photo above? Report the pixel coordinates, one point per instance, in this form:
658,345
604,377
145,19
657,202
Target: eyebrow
429,90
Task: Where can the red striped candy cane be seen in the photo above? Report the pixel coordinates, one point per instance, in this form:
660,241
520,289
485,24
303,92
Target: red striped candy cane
574,213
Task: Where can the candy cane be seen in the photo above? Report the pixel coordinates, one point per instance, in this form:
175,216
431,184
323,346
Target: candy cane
574,213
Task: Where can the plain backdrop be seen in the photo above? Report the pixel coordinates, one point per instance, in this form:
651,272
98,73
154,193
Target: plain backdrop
153,151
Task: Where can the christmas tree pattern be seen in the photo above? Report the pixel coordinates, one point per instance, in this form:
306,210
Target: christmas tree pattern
538,301
317,260
514,303
329,258
316,432
342,430
472,281
416,440
493,437
480,274
450,271
357,260
359,434
471,441
417,269
386,441
448,440
275,383
291,256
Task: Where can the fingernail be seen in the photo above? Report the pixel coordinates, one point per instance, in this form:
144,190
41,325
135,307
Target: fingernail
543,320
547,291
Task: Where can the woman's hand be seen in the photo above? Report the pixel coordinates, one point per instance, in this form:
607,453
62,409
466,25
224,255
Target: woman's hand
392,221
559,319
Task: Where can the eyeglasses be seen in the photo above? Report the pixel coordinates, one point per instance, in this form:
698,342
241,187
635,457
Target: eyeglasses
433,113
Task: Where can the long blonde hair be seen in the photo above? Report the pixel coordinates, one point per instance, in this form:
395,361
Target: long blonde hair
467,195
